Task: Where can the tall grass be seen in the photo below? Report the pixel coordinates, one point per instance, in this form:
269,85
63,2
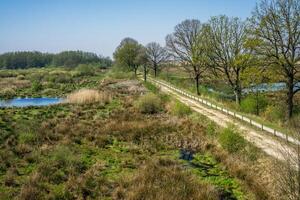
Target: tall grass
149,104
87,96
179,109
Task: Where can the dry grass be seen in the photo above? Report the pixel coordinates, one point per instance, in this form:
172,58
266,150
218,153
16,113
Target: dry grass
87,96
13,82
165,179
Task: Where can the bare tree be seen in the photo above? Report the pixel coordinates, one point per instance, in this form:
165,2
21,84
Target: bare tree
142,60
226,40
186,45
156,55
276,29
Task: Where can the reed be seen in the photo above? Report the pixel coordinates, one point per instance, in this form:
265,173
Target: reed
87,96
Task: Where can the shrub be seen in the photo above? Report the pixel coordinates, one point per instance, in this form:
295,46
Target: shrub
36,86
179,109
7,93
50,92
85,70
164,179
211,129
253,105
274,113
86,96
231,140
21,77
149,104
27,138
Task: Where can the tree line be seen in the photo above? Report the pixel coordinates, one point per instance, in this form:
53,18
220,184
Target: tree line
266,45
27,59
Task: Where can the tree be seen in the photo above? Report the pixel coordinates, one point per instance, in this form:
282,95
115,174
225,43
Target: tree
252,77
156,55
186,45
226,38
127,54
276,32
15,60
143,60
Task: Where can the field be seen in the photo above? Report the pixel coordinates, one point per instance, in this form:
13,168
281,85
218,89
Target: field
132,143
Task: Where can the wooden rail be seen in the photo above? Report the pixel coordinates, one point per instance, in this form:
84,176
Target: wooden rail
227,112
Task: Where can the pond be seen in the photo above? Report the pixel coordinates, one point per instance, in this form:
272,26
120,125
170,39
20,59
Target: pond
25,102
273,87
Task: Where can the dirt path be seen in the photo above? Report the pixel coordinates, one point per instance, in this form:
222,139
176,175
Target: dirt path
268,144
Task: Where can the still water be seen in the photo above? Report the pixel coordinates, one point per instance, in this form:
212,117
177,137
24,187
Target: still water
24,102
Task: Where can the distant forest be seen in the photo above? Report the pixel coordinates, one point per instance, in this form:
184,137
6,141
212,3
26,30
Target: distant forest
27,59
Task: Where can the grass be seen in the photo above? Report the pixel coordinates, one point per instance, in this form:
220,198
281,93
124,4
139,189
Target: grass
179,109
149,104
86,96
231,140
114,151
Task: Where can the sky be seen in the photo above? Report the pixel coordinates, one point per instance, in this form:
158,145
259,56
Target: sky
99,25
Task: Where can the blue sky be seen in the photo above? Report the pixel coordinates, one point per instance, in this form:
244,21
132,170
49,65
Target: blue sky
99,25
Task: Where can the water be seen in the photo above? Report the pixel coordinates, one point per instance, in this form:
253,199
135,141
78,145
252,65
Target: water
273,87
25,102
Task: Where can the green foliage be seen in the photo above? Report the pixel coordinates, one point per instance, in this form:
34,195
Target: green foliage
231,140
274,113
27,137
151,87
7,93
86,70
149,104
36,86
253,104
211,129
129,54
179,109
27,59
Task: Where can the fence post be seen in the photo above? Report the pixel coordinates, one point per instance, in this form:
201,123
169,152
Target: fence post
262,127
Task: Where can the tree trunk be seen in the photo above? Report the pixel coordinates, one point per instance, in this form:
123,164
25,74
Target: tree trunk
145,73
290,97
155,70
238,95
197,84
135,71
257,106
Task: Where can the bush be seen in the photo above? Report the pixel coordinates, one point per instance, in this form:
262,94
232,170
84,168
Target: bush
85,70
50,92
149,104
86,96
7,93
274,113
27,138
21,77
179,109
231,140
36,86
164,179
251,103
210,129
